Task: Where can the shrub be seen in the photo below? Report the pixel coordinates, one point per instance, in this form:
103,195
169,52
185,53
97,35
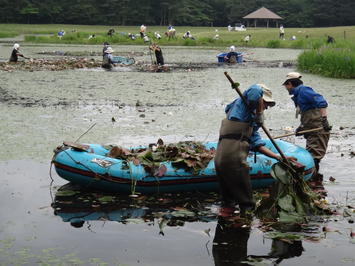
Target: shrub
273,44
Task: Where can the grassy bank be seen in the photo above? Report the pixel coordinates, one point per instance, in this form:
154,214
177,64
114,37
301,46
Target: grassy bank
260,37
336,60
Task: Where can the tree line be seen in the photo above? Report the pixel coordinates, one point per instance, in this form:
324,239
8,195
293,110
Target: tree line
296,13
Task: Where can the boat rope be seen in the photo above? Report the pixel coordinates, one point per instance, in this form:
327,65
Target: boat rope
80,163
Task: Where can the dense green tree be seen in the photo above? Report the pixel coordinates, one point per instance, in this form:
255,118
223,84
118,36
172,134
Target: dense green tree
296,13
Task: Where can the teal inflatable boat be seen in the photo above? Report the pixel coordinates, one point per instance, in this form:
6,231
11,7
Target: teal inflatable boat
91,167
123,60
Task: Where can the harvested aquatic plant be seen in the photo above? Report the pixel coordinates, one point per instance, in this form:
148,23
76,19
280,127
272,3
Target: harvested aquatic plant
291,200
190,155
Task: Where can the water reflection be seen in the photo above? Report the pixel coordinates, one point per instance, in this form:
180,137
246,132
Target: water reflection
230,245
78,206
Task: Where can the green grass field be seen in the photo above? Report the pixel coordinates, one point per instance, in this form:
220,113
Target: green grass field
260,37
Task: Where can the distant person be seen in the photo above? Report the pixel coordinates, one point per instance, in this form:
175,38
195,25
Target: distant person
107,61
15,53
61,33
188,35
106,45
91,36
170,33
146,38
229,28
282,32
158,54
170,27
330,39
157,35
247,38
110,32
232,56
131,36
142,30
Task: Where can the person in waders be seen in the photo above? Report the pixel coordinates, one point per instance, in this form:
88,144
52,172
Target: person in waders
106,45
16,53
313,109
232,56
158,54
239,134
107,61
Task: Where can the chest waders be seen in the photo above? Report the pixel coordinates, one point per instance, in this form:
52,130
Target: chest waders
231,166
106,62
317,142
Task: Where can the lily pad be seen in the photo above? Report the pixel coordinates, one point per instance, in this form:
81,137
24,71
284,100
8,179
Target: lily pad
66,193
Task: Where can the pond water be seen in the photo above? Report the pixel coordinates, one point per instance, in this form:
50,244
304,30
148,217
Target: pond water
38,110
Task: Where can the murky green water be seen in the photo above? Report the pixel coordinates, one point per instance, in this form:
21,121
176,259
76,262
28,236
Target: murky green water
38,110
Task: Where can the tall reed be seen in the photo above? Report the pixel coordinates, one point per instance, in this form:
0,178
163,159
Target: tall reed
335,60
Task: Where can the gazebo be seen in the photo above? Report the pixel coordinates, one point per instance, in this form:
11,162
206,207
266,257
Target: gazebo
263,14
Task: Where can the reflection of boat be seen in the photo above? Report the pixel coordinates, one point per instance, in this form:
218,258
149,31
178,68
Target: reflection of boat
91,167
77,205
123,60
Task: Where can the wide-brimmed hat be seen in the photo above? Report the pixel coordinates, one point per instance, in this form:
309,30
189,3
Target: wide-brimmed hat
109,50
292,75
16,46
232,48
267,95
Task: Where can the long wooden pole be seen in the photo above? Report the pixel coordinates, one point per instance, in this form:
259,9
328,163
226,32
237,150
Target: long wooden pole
262,126
300,132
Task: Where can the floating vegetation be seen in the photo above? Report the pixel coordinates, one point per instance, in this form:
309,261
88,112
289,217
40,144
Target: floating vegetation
167,209
50,64
88,53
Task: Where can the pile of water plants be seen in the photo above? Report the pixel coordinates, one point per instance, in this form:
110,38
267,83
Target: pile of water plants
190,155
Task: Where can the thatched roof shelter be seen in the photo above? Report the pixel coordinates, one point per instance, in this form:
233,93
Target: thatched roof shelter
263,14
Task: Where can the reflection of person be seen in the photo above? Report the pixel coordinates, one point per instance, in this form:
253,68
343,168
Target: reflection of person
239,134
283,250
16,53
230,244
107,61
313,109
158,53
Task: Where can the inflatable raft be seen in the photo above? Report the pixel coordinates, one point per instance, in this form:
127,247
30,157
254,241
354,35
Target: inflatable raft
123,60
91,167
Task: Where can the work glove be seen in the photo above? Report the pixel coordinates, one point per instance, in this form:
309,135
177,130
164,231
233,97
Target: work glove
299,129
235,85
325,124
259,119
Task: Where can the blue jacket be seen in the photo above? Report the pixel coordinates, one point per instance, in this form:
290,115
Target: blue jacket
237,110
306,98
